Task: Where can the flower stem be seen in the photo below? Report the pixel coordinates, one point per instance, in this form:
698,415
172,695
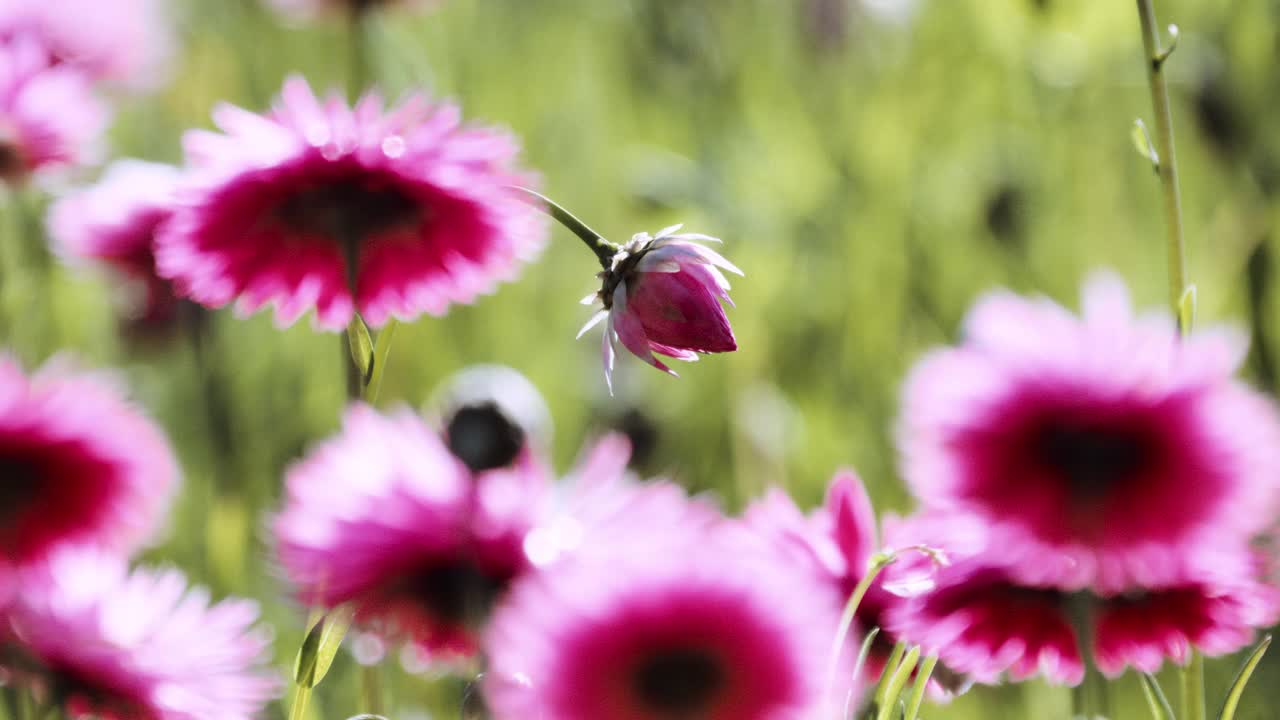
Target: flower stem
603,249
1192,681
1168,165
301,695
1091,699
371,689
358,51
878,562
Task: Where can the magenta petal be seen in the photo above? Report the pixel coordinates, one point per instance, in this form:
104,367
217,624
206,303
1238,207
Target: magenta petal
854,519
631,331
677,310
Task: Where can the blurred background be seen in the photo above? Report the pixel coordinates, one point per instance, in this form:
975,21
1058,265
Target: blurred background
872,165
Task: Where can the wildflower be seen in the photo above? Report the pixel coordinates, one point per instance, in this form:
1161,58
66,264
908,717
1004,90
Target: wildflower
128,43
78,464
1102,450
49,118
385,518
493,417
666,625
661,295
115,222
315,205
121,645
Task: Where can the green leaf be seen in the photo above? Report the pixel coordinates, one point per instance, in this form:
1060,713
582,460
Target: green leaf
1187,309
886,675
896,683
361,348
1156,700
922,684
320,646
381,350
1142,143
1242,679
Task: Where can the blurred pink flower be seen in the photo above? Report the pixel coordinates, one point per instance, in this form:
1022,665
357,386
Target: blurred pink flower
662,295
294,206
78,464
382,516
128,43
115,222
1102,450
50,119
678,622
138,645
836,542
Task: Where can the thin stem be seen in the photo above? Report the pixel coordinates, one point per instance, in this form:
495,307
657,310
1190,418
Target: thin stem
300,697
371,689
358,51
603,249
1192,686
1168,165
1092,699
878,563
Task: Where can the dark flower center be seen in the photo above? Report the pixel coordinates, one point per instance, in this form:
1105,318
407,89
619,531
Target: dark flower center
348,210
678,683
1092,460
19,484
13,164
458,592
483,437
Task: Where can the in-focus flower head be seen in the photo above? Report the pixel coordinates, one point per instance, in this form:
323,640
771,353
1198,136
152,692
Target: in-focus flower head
138,645
115,222
661,294
703,623
50,120
410,207
384,517
78,464
1103,450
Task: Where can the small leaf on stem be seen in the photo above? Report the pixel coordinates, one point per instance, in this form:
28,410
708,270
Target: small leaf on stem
1242,679
320,646
361,348
1142,143
1156,700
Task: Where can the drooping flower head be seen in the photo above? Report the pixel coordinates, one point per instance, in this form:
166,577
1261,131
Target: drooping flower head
836,542
50,119
674,623
662,294
128,43
317,205
1103,450
138,645
989,625
78,464
384,517
115,222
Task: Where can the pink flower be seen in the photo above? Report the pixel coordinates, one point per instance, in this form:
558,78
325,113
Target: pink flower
1102,450
670,624
383,517
138,646
835,542
662,295
115,222
126,42
49,118
77,464
297,206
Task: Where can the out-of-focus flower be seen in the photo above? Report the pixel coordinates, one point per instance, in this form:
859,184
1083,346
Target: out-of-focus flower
50,119
316,205
310,9
493,417
662,295
115,222
128,43
986,623
123,645
677,623
1102,450
78,464
385,518
836,542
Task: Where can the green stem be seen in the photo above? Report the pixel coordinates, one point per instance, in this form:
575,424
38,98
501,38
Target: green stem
358,51
300,697
371,689
1092,699
1192,682
878,562
888,705
1168,166
603,249
922,684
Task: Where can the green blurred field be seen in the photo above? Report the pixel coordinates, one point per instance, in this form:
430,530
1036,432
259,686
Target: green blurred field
871,178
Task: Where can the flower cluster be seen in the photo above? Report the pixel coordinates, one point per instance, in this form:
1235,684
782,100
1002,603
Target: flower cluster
85,479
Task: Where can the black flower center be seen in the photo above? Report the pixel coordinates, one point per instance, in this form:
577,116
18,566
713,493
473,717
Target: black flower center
13,164
1093,460
20,477
483,437
348,210
678,683
457,592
